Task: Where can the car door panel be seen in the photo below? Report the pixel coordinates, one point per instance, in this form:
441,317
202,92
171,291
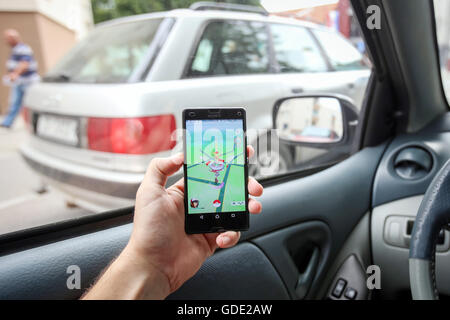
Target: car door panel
304,199
348,83
257,93
311,82
396,201
218,277
299,253
347,199
41,272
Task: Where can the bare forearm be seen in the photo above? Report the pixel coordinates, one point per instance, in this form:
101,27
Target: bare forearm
21,68
129,278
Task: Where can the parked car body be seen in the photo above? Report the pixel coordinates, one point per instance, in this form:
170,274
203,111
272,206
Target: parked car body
110,106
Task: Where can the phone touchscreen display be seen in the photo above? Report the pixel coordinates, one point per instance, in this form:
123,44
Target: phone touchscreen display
215,162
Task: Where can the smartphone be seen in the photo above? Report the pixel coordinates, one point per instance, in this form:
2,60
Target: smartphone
215,170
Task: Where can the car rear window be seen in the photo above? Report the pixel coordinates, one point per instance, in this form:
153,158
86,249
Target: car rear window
110,54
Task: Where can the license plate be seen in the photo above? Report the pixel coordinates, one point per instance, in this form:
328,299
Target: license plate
59,129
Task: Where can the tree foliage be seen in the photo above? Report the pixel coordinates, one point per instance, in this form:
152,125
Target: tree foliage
110,9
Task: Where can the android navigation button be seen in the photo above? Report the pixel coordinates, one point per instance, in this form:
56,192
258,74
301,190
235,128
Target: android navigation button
201,217
233,215
217,216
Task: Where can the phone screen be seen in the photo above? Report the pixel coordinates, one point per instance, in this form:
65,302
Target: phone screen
215,166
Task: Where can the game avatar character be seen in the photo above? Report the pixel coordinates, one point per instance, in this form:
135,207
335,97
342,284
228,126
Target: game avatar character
194,203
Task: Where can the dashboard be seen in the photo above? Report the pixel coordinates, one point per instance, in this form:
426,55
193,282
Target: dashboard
406,169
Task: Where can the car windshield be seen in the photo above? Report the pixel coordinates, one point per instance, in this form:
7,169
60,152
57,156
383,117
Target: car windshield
442,16
109,54
117,75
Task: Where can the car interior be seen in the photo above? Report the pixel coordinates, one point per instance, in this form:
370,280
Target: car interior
321,229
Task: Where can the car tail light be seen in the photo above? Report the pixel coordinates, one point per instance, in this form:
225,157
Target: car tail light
131,135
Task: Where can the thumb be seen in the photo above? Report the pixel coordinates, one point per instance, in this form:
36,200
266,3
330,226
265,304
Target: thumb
161,168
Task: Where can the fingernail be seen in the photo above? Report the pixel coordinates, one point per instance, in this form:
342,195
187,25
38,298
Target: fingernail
178,159
225,240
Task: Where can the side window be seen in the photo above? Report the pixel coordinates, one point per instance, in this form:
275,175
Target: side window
342,54
230,48
296,50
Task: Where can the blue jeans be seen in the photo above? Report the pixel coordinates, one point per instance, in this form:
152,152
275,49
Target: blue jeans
15,104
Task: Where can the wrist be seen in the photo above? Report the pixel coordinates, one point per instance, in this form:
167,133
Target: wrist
130,277
146,280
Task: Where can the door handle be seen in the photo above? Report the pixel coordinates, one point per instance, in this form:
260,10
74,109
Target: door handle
297,90
298,253
306,278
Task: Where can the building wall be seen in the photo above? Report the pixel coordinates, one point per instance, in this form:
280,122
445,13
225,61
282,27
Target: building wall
55,41
73,14
48,39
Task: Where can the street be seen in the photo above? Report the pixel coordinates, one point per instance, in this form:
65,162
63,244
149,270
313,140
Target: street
21,206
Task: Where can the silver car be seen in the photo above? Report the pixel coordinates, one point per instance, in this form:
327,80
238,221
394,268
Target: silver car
113,102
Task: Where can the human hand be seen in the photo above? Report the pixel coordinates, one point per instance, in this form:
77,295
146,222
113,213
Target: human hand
13,76
159,241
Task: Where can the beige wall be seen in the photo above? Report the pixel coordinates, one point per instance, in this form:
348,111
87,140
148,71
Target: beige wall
48,39
73,14
55,41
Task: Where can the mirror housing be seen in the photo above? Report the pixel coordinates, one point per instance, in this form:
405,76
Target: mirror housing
316,120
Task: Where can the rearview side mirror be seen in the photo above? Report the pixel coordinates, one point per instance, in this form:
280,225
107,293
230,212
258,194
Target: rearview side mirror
318,121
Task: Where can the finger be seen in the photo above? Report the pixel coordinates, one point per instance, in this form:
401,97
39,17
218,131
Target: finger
250,151
254,187
211,239
177,190
254,206
228,239
160,168
178,186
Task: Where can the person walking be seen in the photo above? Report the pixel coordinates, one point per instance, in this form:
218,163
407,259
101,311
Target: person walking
21,72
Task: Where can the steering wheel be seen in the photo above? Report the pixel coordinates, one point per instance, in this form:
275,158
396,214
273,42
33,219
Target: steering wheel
433,215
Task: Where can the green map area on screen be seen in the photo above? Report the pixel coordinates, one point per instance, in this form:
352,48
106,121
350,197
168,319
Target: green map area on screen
215,166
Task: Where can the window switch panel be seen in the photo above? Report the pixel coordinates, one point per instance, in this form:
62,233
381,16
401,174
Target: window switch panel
350,293
339,288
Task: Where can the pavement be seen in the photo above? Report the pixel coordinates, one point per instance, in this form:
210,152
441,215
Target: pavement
21,206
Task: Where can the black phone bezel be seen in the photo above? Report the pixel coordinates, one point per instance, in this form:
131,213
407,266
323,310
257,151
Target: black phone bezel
223,221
